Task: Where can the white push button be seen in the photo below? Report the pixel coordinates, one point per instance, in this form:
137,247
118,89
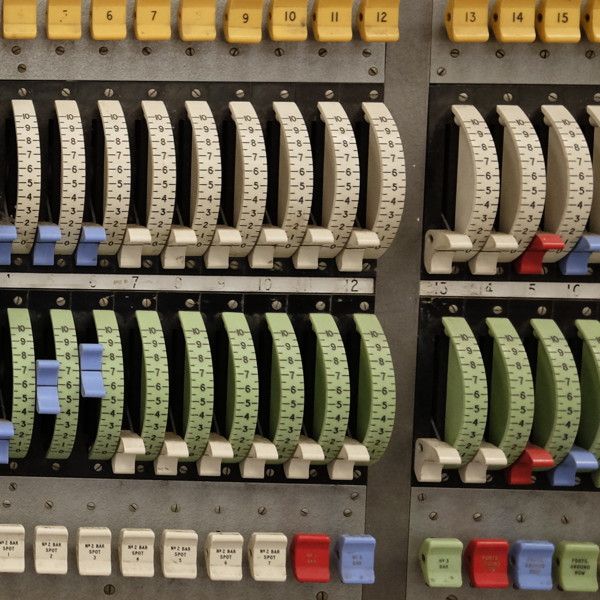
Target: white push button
51,549
179,554
223,554
12,549
267,554
136,552
94,551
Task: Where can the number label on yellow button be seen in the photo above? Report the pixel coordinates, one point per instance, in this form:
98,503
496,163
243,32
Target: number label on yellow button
332,20
243,21
197,20
514,20
467,20
153,19
19,19
109,19
64,19
287,20
378,20
558,21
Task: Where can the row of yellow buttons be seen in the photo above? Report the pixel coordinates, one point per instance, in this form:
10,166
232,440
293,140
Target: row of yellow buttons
554,21
242,21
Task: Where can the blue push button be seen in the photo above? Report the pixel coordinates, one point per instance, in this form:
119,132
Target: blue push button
8,234
90,361
4,448
531,565
7,431
45,243
86,254
576,262
46,396
356,558
578,459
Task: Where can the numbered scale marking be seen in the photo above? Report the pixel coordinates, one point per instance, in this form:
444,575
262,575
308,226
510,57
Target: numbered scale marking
523,189
251,176
477,181
242,386
287,386
67,354
512,395
72,175
117,175
557,392
570,180
341,176
162,175
199,385
386,183
154,388
376,387
466,390
205,193
113,375
23,380
296,176
29,175
331,409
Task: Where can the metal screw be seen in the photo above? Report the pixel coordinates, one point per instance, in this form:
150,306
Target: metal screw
500,53
463,97
445,476
60,50
276,305
542,310
477,517
433,516
270,472
347,512
373,94
110,589
497,310
279,52
183,469
190,303
218,509
190,51
140,468
23,92
234,51
240,93
320,305
366,52
7,503
564,520
65,92
304,512
196,93
104,262
232,304
97,467
109,93
16,49
441,71
364,306
373,71
455,53
104,302
12,486
147,263
152,93
18,261
422,497
596,97
49,504
103,50
22,68
262,510
520,518
226,470
508,97
133,507
354,496
91,506
322,596
17,300
146,303
586,311
61,262
234,264
56,466
322,52
13,466
146,51
284,94
544,53
312,473
590,54
329,94
553,96
322,265
453,309
175,508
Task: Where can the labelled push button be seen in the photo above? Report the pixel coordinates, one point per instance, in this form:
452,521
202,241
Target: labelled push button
179,554
51,550
64,19
267,554
441,562
378,20
356,558
487,562
197,20
136,552
223,556
576,566
12,549
332,20
153,19
19,19
514,20
531,565
467,20
94,551
109,19
287,20
243,21
310,557
558,21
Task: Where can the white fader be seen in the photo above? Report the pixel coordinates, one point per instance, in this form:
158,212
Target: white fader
223,556
179,554
94,556
51,550
29,175
267,554
136,552
12,549
386,191
594,224
477,196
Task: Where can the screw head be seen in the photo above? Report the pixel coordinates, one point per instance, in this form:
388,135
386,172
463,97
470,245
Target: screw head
146,302
329,94
91,506
183,469
276,305
6,503
453,309
175,508
232,304
65,92
22,92
234,51
455,53
422,497
56,466
552,96
542,310
240,93
133,507
477,517
500,53
590,54
564,520
218,510
373,94
109,93
322,52
508,97
110,589
544,53
12,486
320,305
441,71
196,93
190,303
586,311
520,518
104,302
49,504
433,516
152,93
146,51
279,52
354,496
262,510
97,467
497,310
59,50
373,71
17,300
16,50
304,512
364,306
347,512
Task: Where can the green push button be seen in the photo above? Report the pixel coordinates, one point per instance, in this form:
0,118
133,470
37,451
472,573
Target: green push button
441,562
576,565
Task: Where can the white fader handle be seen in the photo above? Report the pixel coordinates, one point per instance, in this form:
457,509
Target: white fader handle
487,456
431,457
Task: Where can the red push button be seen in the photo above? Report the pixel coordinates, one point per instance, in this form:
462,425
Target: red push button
533,457
531,261
310,557
487,562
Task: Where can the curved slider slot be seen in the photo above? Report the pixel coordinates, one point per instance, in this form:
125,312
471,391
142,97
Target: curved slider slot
477,196
66,353
198,386
205,192
72,175
296,177
29,175
557,392
112,405
594,222
23,380
117,175
386,190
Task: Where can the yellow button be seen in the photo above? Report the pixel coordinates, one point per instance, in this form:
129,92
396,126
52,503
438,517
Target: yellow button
19,19
109,19
242,22
378,20
467,20
64,19
197,20
153,19
514,20
332,20
287,20
590,20
559,21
